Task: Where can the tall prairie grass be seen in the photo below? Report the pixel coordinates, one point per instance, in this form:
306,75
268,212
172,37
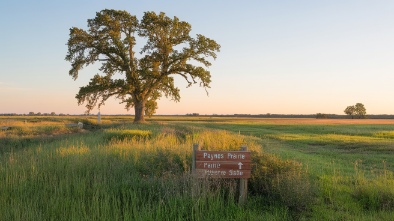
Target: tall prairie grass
128,173
143,172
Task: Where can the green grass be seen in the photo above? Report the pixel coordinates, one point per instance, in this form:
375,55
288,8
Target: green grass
128,173
143,172
351,165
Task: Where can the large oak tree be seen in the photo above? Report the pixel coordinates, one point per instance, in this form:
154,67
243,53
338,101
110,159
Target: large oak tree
138,80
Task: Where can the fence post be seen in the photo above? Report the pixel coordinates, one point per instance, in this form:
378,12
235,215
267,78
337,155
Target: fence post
195,149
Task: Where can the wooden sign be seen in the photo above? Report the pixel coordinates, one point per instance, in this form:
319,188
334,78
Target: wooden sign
222,164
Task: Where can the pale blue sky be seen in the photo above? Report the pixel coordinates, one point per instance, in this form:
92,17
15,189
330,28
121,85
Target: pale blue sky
285,57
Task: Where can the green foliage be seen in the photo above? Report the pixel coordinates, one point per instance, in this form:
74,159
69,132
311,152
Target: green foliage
110,40
281,180
357,110
360,110
350,110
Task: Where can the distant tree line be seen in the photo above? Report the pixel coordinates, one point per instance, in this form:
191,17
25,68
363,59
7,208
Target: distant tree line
322,116
42,114
193,114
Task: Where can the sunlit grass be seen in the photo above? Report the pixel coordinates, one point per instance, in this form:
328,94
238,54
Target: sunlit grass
142,172
65,151
339,139
384,134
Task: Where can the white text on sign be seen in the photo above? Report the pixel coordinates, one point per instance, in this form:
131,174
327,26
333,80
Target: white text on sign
212,165
223,156
214,156
224,172
235,156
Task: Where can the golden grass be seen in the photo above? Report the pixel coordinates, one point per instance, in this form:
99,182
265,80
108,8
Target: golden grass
22,123
73,150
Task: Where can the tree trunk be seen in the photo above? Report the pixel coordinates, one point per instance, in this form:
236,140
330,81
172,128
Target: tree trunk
139,108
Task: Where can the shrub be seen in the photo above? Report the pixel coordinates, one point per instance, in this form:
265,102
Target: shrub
281,180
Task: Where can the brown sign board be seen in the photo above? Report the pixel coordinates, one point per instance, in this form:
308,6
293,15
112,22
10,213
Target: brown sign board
223,164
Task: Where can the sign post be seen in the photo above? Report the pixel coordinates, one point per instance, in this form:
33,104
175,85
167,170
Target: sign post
224,164
243,185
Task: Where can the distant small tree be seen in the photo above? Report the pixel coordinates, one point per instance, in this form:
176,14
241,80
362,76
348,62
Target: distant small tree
360,110
31,113
356,110
350,110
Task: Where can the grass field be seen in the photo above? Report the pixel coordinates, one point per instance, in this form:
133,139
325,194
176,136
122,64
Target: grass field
303,169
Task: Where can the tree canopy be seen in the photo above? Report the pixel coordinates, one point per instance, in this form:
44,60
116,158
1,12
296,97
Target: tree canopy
138,81
350,110
356,110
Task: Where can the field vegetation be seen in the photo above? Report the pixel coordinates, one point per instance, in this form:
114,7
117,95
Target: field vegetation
302,169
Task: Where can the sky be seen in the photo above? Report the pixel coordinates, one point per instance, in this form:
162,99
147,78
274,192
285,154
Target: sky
278,57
